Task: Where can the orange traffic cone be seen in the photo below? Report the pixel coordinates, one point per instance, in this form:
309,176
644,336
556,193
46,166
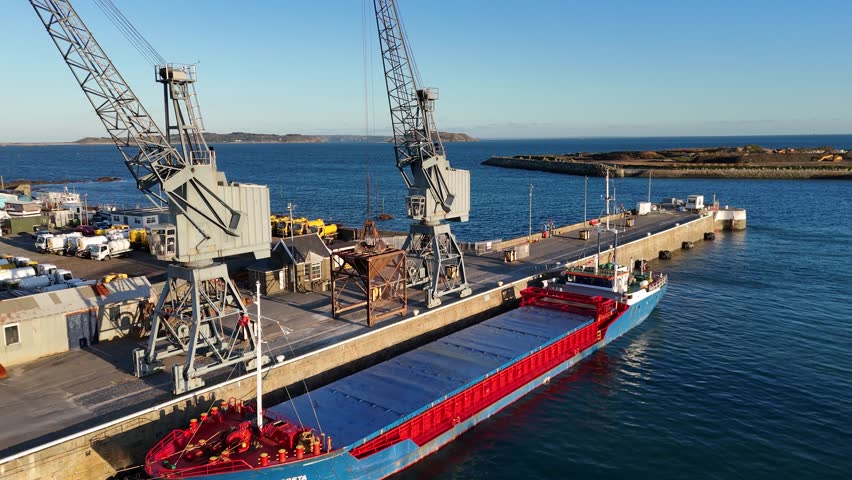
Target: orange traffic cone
2,372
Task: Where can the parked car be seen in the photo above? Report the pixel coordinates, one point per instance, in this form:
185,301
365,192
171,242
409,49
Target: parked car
86,230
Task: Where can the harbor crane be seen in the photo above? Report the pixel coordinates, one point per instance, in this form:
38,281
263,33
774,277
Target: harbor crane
436,191
209,217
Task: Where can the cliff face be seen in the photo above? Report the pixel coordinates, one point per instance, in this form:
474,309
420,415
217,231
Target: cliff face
242,137
456,137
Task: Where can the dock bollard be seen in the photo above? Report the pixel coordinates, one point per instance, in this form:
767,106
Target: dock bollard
203,417
193,425
264,459
300,452
315,447
282,455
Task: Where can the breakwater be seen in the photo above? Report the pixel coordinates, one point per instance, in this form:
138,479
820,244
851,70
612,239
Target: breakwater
598,169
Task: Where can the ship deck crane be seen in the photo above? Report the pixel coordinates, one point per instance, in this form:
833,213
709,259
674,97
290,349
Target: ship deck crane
210,218
436,191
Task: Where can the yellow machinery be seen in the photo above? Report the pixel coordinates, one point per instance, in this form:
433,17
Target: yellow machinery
282,225
113,276
138,238
114,228
317,226
830,158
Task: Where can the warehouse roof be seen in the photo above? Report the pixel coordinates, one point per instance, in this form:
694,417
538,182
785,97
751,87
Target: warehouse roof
25,308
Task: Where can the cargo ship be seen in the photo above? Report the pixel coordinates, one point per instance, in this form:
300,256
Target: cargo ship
385,418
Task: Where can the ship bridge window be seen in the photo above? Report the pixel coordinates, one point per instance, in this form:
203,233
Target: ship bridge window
11,334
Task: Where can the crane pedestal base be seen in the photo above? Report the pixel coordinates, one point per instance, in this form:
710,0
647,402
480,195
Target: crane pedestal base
435,260
199,314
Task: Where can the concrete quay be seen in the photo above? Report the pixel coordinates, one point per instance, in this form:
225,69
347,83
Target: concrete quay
84,415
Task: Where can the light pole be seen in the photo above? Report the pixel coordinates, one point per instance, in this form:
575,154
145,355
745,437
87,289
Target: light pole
649,185
290,207
585,199
529,234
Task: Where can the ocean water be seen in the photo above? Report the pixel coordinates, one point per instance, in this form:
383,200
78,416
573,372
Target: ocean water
743,371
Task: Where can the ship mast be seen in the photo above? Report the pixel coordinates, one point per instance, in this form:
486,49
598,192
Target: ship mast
607,199
259,360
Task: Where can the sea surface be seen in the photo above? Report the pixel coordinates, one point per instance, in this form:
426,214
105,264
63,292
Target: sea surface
743,371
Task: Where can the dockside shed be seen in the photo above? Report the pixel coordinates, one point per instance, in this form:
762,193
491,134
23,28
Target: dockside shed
42,324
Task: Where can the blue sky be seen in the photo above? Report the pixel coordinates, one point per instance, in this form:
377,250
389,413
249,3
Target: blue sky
505,69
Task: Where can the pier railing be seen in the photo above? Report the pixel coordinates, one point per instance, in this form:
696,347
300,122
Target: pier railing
483,247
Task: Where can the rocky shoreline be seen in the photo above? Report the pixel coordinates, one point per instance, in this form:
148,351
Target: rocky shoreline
12,184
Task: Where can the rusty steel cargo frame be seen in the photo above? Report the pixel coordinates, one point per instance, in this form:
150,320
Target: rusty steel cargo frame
377,281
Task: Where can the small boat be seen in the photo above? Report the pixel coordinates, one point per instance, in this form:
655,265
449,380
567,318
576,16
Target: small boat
384,216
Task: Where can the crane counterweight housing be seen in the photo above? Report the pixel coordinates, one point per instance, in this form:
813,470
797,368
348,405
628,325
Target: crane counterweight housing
424,205
180,240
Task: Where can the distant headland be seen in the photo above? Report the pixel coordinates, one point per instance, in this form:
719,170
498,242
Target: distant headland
243,137
750,161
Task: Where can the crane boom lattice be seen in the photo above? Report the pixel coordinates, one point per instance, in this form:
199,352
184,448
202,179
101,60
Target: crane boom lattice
210,218
436,191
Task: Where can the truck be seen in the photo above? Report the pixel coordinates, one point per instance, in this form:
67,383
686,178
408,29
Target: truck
319,227
56,277
16,274
23,262
283,225
58,244
41,242
81,245
45,268
139,238
113,248
54,244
